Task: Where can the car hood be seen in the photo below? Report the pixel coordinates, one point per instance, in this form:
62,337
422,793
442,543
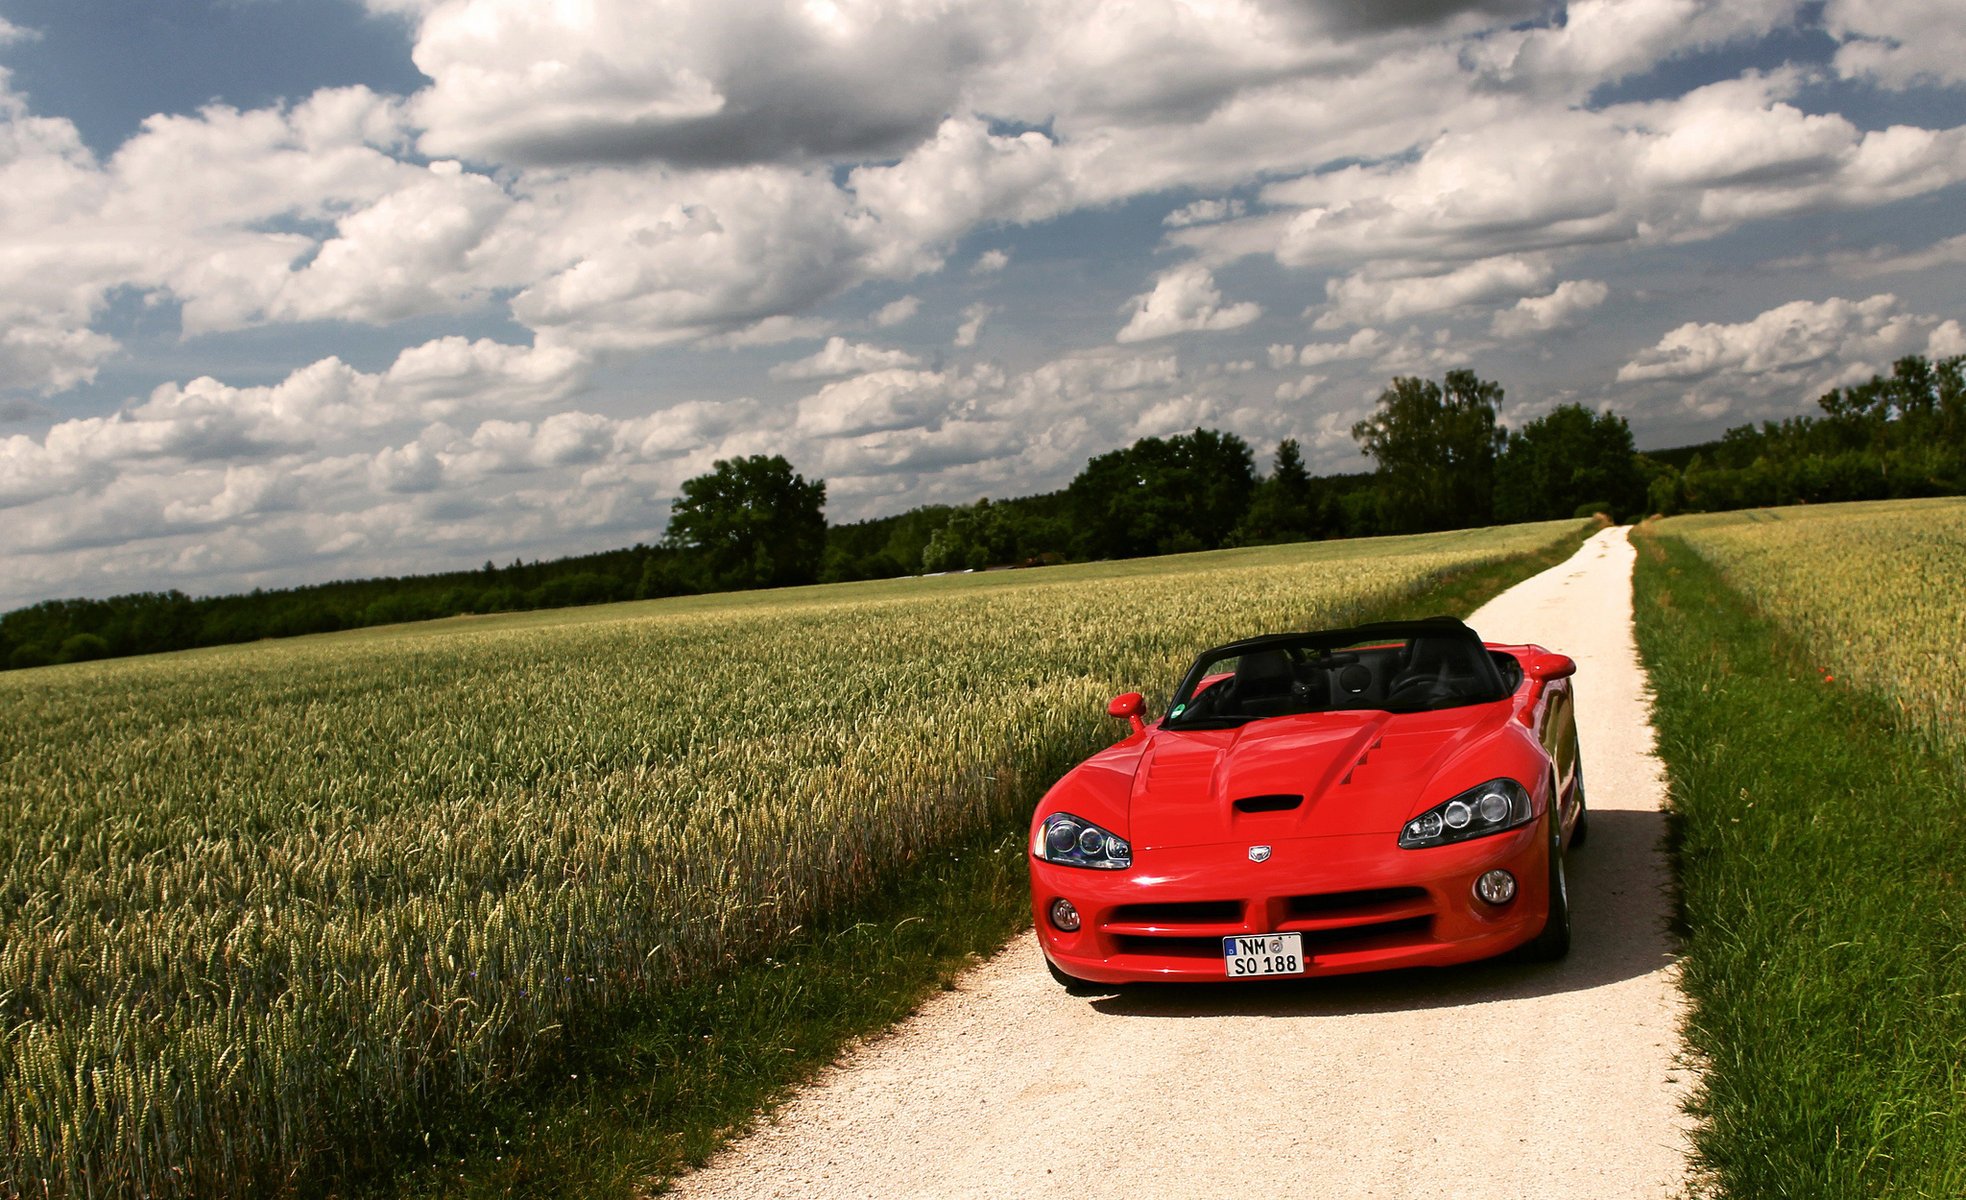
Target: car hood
1357,773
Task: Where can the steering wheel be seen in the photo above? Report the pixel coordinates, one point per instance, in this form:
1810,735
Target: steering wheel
1421,689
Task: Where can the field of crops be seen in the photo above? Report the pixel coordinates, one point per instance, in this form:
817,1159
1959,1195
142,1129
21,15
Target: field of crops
1877,591
266,909
1820,842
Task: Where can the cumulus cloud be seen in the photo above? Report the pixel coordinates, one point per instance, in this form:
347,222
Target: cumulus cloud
1800,333
1297,389
1561,309
1519,183
1203,212
1900,43
897,312
1390,292
1184,300
614,177
618,81
1946,341
1884,260
841,357
990,262
321,408
972,324
1365,343
1785,354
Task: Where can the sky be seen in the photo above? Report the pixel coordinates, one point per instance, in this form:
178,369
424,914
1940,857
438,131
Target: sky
298,290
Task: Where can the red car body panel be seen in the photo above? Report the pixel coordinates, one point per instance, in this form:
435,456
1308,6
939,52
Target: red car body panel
1335,872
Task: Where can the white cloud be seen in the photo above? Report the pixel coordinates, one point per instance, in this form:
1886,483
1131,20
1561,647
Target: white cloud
990,262
1885,260
770,331
1561,309
442,377
1297,389
1389,292
1184,300
1798,334
326,407
1203,212
1946,341
972,325
426,247
711,84
612,177
1898,43
1785,356
841,357
1608,40
1364,343
897,312
882,401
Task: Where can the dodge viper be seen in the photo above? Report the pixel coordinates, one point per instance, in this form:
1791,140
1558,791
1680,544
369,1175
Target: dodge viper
1390,795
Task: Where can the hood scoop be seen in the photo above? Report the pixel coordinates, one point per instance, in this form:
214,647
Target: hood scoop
1263,804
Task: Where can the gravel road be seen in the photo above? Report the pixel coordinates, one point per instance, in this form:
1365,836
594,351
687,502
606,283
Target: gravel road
1482,1081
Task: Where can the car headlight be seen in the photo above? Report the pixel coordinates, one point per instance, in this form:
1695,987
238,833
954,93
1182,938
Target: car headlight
1495,806
1073,841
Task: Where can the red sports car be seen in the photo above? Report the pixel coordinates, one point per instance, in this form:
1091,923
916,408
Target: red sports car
1392,795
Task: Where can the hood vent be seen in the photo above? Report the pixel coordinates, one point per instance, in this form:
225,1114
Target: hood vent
1278,803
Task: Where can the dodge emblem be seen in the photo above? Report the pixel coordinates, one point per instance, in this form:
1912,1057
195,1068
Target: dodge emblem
1259,854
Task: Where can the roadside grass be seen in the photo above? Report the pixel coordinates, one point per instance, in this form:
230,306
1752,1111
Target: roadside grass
1820,845
676,1078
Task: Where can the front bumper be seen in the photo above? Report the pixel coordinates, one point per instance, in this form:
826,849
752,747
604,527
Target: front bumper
1361,903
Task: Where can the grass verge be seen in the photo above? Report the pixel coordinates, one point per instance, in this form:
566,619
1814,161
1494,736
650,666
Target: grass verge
674,1079
1821,855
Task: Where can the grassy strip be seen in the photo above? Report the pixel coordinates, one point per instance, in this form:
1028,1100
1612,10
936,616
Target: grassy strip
1821,852
677,1078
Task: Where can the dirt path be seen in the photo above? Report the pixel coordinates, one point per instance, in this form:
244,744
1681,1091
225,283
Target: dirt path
1488,1081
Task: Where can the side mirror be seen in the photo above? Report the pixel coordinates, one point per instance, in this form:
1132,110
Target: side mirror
1129,707
1547,666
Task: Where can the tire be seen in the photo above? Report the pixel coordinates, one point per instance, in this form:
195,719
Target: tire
1582,828
1073,985
1554,941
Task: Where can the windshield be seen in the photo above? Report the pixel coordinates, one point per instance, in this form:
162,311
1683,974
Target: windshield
1310,673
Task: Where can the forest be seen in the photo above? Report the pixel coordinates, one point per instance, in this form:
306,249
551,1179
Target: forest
1441,460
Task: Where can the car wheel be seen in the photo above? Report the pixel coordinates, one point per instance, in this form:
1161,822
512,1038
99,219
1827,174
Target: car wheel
1554,941
1073,985
1582,828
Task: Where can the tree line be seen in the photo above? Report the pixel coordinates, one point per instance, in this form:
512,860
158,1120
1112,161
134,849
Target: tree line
1441,460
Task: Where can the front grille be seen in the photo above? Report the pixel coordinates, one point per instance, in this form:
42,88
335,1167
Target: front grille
1363,904
1359,937
1190,912
1169,947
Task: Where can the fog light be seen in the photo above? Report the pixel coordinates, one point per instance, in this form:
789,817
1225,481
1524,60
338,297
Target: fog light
1496,887
1066,917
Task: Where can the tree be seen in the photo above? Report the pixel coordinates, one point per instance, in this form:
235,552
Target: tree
971,539
1565,459
751,522
1285,506
1435,449
1162,495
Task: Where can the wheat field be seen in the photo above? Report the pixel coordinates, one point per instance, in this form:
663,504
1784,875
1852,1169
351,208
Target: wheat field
264,908
1875,590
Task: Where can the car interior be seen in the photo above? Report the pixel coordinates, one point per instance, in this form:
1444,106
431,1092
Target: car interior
1283,678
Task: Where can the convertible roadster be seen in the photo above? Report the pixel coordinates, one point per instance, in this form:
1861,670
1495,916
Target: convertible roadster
1391,795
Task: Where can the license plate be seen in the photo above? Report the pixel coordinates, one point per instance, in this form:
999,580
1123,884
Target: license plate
1264,954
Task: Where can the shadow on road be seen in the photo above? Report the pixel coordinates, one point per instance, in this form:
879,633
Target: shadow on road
1620,910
